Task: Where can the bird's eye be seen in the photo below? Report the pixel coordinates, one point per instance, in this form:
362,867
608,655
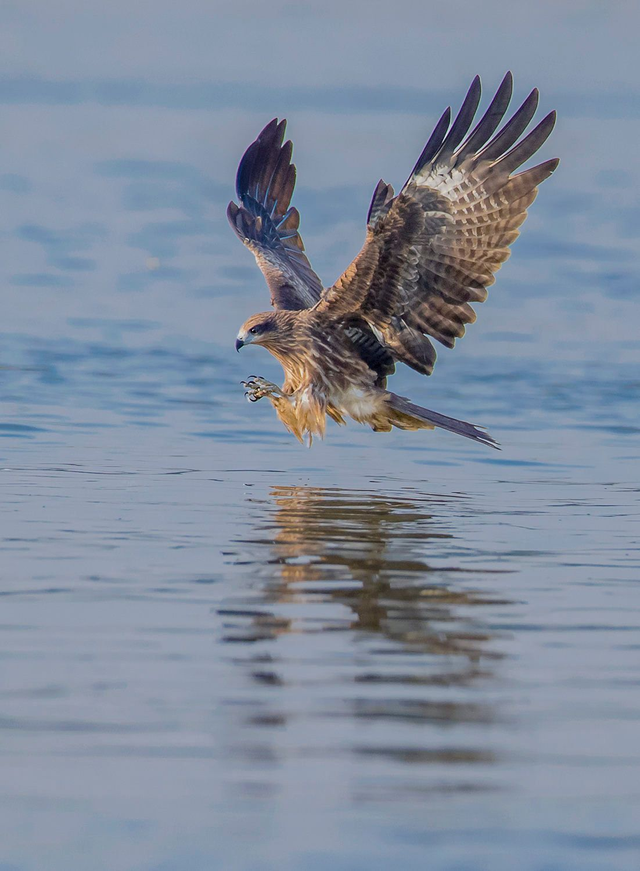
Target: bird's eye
253,330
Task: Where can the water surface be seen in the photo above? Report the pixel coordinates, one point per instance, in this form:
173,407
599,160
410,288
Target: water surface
220,649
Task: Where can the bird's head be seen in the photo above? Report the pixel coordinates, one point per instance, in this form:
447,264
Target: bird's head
260,329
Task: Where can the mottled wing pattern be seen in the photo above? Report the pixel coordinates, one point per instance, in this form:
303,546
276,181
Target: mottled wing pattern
435,248
268,225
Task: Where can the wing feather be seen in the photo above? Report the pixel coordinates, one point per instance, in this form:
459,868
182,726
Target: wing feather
514,128
268,225
434,143
490,121
464,120
436,246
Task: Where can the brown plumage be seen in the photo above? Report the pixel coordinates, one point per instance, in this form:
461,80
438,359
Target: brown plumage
429,252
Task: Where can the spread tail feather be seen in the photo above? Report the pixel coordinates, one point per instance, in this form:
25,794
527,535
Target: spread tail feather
410,416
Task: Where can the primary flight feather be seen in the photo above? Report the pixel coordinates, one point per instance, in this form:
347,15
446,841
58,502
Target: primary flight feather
429,252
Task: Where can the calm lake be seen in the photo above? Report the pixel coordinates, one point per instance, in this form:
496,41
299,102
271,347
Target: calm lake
221,650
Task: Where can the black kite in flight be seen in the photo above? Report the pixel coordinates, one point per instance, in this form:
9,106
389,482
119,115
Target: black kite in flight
429,252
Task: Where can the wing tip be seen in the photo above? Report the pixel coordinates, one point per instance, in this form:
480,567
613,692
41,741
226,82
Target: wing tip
233,210
273,127
269,140
381,196
506,85
434,143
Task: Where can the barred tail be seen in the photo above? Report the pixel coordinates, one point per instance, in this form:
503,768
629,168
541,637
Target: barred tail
410,416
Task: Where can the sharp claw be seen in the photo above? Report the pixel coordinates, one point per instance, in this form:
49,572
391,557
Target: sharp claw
258,388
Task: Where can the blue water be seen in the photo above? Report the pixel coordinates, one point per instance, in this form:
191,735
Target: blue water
221,650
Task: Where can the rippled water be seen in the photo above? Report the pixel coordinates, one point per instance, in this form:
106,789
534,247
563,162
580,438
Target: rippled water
224,651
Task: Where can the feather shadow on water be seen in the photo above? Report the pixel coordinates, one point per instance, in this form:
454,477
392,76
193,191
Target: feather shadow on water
343,577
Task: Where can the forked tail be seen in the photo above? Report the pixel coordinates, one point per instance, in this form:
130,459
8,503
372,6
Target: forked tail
410,416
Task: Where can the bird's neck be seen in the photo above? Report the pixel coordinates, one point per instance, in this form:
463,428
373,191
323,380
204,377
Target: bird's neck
295,360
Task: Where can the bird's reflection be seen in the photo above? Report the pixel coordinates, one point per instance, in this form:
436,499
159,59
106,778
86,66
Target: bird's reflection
370,553
358,612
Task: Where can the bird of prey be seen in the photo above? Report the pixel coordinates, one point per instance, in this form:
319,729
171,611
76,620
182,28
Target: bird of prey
429,252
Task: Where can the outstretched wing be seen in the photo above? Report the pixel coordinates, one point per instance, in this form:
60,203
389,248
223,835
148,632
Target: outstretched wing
434,248
267,225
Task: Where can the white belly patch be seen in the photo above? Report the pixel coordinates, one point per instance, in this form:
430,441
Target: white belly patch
359,404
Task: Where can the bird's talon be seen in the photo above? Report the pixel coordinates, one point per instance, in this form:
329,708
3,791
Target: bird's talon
258,387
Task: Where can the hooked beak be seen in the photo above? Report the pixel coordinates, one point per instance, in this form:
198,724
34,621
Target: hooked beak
239,344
